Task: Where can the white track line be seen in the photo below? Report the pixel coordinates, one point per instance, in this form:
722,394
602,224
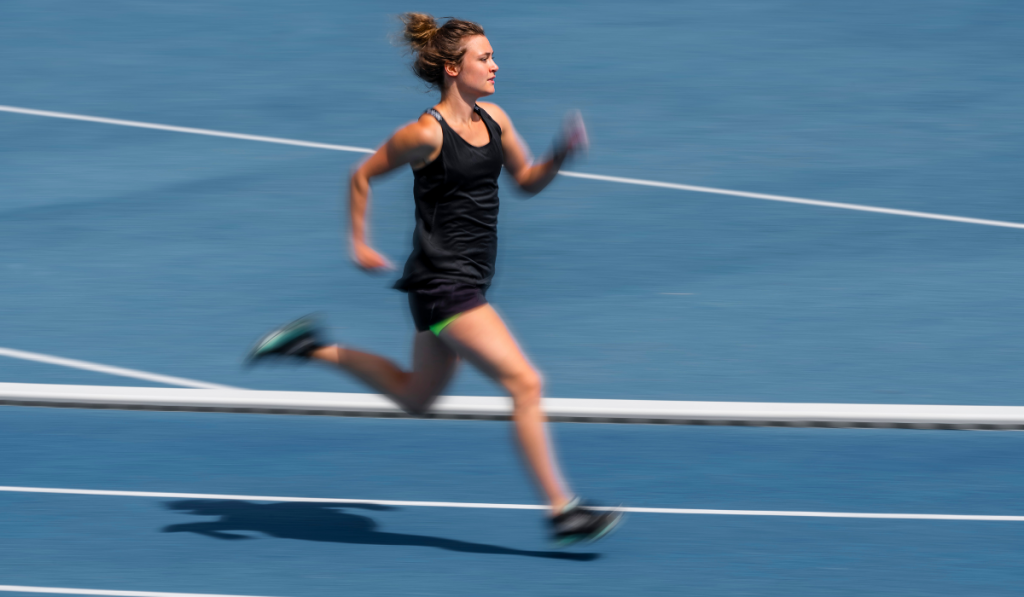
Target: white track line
271,498
63,591
98,368
682,412
183,129
615,179
784,199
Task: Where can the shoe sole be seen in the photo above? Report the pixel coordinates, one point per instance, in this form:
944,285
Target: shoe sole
585,539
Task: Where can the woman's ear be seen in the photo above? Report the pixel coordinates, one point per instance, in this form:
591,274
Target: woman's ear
451,69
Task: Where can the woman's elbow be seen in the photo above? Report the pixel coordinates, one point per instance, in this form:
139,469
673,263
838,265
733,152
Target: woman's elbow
528,191
529,186
357,178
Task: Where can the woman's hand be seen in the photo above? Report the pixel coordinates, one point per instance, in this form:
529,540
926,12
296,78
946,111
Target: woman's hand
574,136
369,260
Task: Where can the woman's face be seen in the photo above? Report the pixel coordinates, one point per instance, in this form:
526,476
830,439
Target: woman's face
477,71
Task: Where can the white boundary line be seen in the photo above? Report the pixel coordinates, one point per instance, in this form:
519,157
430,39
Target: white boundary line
928,416
120,371
269,498
784,199
63,591
183,129
615,179
486,506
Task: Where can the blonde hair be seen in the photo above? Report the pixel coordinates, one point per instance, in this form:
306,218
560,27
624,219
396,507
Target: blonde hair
434,46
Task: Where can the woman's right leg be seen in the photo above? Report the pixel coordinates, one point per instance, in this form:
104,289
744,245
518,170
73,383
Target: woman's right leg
481,337
433,364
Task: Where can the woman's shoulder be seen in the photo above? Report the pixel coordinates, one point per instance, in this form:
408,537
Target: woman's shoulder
424,131
497,114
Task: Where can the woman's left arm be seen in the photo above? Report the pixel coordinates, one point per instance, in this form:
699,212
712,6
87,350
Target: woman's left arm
532,176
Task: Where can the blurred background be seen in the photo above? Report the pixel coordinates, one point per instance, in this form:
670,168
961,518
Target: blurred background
172,252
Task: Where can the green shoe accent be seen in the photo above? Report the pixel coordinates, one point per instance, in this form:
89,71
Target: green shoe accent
606,530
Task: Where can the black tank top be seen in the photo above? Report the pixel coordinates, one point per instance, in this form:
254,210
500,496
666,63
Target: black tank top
456,236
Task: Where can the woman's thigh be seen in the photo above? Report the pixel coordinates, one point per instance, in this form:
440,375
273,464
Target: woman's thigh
433,365
481,337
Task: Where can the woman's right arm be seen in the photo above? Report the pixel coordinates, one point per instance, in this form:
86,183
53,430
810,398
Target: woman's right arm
416,143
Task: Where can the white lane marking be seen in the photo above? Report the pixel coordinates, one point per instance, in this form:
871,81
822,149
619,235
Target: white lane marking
63,591
183,129
784,199
271,498
121,371
490,407
616,179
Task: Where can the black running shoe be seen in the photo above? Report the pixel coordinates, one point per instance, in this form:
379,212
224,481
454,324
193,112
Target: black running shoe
297,339
580,522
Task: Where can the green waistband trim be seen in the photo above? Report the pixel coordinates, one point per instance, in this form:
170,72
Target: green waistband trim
437,327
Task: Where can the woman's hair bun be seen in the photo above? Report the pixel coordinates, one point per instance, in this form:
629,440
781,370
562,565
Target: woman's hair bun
420,28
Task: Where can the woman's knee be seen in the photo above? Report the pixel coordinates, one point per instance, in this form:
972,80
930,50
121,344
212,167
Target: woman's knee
526,387
416,401
418,410
421,388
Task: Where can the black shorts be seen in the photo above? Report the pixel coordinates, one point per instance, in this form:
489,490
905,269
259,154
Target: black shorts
442,299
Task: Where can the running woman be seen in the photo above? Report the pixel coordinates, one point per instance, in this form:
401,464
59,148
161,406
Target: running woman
456,150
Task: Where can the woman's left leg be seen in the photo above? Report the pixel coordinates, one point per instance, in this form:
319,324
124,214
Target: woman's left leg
433,365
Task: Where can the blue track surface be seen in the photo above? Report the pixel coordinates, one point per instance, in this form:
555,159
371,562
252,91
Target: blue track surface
171,253
250,548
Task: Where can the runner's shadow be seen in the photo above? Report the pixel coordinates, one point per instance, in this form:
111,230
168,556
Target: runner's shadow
325,522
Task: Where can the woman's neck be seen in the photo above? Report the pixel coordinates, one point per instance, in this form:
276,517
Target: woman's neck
457,107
